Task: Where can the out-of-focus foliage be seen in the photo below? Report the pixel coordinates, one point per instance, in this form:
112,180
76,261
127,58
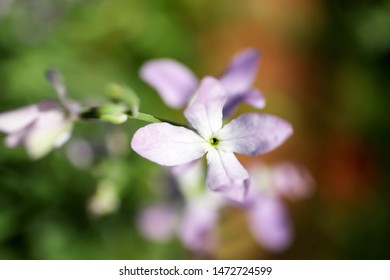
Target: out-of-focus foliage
325,67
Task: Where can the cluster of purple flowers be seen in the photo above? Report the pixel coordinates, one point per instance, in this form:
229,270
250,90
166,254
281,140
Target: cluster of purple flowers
195,220
209,103
259,192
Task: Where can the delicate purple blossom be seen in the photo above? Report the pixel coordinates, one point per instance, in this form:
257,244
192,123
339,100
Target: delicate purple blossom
198,224
176,84
43,126
292,181
196,221
193,219
268,217
201,208
195,226
250,134
270,223
80,153
158,222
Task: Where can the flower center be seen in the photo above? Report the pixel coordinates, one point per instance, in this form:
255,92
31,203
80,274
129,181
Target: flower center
214,141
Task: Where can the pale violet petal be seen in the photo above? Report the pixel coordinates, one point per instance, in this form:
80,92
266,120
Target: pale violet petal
204,112
270,223
50,118
18,119
42,139
198,225
226,174
292,181
48,130
172,80
63,137
241,72
158,222
17,138
254,134
168,145
80,153
253,97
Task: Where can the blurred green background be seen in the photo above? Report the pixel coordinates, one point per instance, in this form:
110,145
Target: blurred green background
325,67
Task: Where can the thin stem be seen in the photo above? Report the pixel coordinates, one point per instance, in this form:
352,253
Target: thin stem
144,117
93,114
152,119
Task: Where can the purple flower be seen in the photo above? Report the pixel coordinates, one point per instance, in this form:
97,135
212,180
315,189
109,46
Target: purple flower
40,127
250,134
176,84
270,223
197,228
80,153
195,222
193,219
292,181
268,217
158,222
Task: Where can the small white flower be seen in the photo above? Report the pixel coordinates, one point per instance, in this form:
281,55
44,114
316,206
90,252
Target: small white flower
41,127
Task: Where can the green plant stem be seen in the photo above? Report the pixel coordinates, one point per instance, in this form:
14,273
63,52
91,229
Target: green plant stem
93,114
145,117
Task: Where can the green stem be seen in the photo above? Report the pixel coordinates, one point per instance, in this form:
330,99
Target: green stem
94,114
152,119
145,117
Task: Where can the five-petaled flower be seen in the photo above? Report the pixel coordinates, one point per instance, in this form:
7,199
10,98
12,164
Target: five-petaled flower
250,134
176,84
43,126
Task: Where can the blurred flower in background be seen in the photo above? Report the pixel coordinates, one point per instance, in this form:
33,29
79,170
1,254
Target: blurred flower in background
41,127
194,218
268,217
158,222
194,211
80,153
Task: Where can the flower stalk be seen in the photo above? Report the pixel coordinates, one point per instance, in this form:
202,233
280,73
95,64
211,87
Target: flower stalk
117,114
